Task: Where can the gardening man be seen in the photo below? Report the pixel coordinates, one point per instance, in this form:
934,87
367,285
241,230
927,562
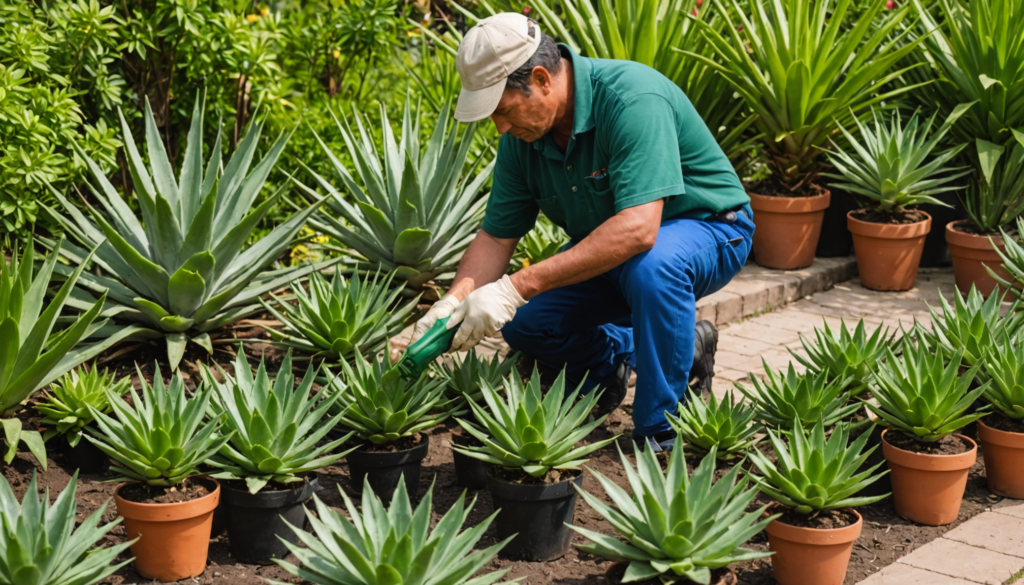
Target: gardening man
615,154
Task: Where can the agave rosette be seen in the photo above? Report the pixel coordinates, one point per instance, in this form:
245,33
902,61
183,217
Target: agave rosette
1004,369
843,355
467,374
972,326
782,398
66,407
728,426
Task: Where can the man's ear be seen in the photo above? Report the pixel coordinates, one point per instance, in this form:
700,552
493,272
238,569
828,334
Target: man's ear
541,77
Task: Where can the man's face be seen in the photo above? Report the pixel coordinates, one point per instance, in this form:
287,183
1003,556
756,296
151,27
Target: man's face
528,117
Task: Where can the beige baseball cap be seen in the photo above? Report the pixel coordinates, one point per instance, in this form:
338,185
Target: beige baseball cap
489,53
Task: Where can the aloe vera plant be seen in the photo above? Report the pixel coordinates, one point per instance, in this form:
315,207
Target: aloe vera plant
380,405
275,426
814,473
728,426
782,398
378,546
843,355
971,327
65,408
466,375
415,209
924,397
524,428
677,528
160,438
32,354
1004,368
183,269
337,318
40,545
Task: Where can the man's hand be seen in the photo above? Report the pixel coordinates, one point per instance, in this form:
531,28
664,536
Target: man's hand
484,312
441,309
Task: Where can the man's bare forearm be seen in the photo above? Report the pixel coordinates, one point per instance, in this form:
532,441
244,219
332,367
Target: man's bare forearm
486,259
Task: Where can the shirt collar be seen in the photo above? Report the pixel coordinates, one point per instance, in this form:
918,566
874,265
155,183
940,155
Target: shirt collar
583,94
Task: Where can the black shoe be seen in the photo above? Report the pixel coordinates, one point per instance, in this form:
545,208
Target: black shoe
658,442
613,392
703,370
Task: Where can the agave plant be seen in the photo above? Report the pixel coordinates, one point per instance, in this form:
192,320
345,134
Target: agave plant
996,197
1004,367
276,427
65,408
540,243
160,438
728,427
892,168
378,546
415,210
527,429
466,375
181,271
816,474
923,396
803,71
1013,262
32,354
782,398
677,528
971,327
337,318
380,405
39,544
842,355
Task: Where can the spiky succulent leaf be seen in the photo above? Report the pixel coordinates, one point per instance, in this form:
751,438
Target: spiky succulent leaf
727,426
677,528
464,377
276,426
39,544
814,473
1012,256
782,397
540,243
336,318
972,326
378,546
522,427
843,355
181,267
65,408
160,438
1004,369
923,396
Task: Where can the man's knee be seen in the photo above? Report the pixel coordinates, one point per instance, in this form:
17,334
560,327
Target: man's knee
522,331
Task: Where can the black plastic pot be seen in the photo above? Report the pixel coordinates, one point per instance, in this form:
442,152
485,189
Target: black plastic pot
85,457
470,473
536,514
256,523
384,469
836,240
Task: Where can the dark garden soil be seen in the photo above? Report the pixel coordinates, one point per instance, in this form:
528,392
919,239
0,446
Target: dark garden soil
770,187
948,445
403,444
1001,422
966,226
521,477
190,489
889,217
826,520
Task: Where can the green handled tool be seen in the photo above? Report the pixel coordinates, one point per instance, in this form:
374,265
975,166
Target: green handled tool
426,349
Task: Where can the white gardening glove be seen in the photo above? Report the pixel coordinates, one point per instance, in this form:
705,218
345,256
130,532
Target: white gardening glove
484,312
444,307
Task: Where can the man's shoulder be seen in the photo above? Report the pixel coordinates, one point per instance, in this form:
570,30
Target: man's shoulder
618,82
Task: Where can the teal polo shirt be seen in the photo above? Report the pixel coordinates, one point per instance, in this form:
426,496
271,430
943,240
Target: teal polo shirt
636,139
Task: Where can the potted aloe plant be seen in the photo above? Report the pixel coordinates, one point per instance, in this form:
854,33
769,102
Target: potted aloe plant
157,443
891,170
388,414
678,529
924,401
800,100
463,380
1010,273
66,412
42,546
351,549
530,438
843,355
270,462
973,325
1001,433
781,398
727,427
814,480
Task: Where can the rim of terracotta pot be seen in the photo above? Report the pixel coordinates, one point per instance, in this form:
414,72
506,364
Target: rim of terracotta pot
929,462
999,437
170,512
965,240
790,204
904,231
817,536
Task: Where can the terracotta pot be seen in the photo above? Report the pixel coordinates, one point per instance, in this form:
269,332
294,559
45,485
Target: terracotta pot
811,556
175,538
928,488
787,229
887,254
970,255
1004,460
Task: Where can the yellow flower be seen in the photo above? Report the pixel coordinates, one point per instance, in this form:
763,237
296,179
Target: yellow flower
336,53
526,262
252,17
264,12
